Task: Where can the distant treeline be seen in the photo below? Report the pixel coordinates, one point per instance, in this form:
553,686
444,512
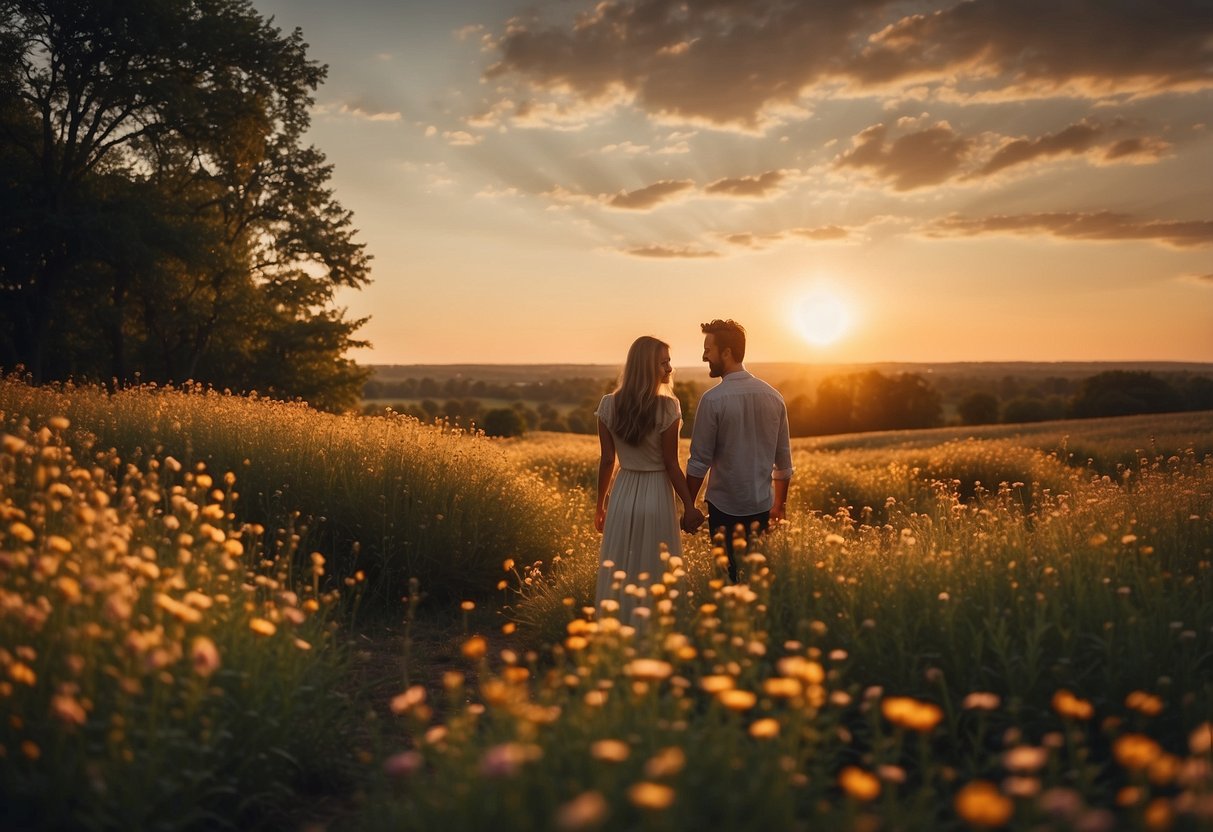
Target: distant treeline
842,403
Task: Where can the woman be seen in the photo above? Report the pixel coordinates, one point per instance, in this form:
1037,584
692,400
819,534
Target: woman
635,514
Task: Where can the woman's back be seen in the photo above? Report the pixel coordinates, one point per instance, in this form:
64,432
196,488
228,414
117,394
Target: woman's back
646,455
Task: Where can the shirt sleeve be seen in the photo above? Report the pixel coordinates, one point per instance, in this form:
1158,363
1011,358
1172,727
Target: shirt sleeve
671,411
703,440
782,469
605,407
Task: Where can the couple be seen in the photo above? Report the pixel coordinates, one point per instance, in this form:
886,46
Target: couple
740,437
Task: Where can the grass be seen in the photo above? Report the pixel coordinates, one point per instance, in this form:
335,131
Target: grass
979,630
393,497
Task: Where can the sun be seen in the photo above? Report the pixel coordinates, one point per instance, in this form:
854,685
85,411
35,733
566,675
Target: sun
823,317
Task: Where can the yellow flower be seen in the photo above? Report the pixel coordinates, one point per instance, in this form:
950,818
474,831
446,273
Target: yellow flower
411,698
765,729
652,796
981,804
778,687
859,784
649,670
665,763
716,684
610,751
585,811
68,710
737,700
800,668
260,626
205,656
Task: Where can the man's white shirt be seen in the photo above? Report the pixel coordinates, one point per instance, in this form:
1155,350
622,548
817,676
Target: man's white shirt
741,436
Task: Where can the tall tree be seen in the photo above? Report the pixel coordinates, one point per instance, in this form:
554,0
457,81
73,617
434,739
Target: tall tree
162,212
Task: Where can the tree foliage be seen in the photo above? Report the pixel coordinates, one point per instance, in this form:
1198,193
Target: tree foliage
161,216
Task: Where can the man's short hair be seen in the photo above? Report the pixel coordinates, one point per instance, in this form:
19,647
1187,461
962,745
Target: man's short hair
728,334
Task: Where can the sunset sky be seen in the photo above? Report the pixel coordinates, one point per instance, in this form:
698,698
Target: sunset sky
853,180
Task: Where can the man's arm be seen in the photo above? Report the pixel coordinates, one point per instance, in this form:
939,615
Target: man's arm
703,447
781,474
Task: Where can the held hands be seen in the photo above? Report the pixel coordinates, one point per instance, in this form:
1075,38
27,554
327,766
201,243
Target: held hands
692,519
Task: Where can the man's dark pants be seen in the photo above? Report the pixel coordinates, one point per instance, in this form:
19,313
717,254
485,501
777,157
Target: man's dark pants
718,521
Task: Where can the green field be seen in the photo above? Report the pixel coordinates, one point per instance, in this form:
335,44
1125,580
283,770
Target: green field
219,612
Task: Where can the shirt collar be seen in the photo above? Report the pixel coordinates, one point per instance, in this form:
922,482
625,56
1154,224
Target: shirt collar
738,374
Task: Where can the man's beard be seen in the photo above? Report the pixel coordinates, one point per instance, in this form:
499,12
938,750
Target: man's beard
715,369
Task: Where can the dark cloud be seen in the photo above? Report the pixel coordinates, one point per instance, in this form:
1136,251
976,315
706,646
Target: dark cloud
670,252
739,62
1140,148
747,186
938,154
1103,225
650,196
1077,138
915,160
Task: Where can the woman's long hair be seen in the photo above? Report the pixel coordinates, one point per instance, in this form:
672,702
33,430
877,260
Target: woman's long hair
640,387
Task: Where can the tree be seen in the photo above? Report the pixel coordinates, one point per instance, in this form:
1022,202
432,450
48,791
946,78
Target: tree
1125,392
978,409
503,421
161,213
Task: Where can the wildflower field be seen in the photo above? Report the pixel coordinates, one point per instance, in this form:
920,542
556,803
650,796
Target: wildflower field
988,630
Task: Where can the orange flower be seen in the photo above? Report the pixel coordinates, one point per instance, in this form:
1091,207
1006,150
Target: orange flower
1144,703
911,713
859,784
765,729
652,796
610,751
475,648
1068,705
1136,751
981,804
737,700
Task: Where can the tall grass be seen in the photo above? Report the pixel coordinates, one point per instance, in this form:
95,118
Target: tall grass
161,668
389,496
1002,640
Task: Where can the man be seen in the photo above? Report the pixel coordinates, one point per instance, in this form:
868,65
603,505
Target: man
741,437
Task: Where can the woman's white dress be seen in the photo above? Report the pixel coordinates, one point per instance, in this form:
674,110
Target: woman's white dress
640,513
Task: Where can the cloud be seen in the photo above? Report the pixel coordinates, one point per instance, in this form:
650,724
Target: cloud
750,64
670,252
1102,225
747,186
938,154
915,160
650,196
751,239
1138,150
1082,139
1202,279
1077,138
365,112
461,138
